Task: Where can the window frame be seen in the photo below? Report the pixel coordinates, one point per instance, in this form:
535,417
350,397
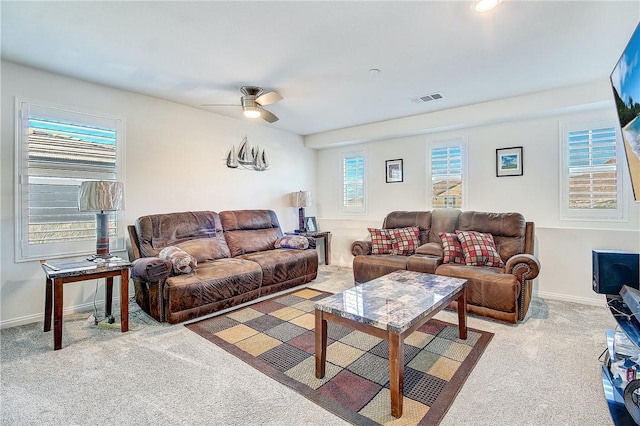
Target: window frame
462,142
23,109
359,209
619,214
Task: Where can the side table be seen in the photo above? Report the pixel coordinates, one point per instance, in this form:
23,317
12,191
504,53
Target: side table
326,236
59,274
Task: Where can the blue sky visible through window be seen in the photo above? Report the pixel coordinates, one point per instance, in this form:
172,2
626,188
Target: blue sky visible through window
74,131
592,148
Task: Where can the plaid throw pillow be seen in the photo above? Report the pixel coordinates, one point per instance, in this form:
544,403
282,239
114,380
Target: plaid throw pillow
404,240
380,241
479,249
452,248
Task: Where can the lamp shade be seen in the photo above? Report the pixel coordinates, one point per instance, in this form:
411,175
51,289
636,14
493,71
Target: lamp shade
301,198
101,195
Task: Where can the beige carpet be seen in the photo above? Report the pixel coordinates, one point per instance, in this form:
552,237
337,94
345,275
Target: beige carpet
544,371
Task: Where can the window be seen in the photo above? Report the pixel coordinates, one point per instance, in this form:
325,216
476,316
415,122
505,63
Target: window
353,182
57,149
448,174
591,179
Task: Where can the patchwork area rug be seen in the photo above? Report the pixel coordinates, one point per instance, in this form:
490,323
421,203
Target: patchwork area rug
276,336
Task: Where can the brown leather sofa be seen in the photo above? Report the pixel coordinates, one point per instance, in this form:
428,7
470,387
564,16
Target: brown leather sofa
236,261
499,293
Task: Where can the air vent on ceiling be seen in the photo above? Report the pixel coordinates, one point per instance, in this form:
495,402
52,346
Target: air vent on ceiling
427,98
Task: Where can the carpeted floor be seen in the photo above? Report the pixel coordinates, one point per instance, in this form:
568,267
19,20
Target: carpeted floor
277,337
544,371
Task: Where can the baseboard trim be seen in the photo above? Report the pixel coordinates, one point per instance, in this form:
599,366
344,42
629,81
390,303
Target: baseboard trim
568,298
85,307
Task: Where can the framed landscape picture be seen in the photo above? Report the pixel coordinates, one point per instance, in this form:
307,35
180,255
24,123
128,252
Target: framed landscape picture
393,170
509,161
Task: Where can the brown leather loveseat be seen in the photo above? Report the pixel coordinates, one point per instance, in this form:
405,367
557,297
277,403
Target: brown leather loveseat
236,261
501,293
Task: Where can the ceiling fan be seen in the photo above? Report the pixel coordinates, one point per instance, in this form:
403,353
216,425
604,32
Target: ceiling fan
252,101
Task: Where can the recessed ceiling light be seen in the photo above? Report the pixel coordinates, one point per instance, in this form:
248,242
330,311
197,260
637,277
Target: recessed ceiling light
485,5
374,71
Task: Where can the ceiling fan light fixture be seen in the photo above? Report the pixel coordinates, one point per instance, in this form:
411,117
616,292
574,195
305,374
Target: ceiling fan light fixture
482,6
251,112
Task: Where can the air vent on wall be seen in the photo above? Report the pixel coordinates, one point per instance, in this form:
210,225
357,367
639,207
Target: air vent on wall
426,98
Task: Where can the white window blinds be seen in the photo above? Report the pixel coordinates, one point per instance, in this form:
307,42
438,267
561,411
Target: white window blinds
353,183
446,175
591,176
58,149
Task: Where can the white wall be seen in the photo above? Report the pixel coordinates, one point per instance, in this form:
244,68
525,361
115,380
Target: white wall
563,247
174,162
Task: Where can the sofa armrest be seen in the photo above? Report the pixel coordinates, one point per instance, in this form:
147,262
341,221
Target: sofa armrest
151,269
523,266
361,248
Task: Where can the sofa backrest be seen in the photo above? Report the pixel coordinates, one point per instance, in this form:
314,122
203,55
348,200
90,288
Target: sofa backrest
443,220
508,230
199,233
248,231
402,219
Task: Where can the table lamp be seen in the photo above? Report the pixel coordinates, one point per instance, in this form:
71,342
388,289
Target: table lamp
102,197
301,199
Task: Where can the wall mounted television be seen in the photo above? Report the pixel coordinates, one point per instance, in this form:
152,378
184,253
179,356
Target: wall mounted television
625,82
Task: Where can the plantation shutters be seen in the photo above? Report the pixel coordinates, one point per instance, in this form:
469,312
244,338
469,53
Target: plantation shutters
447,173
58,149
591,176
353,182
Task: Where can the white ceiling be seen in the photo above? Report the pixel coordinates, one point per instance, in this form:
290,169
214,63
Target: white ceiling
317,54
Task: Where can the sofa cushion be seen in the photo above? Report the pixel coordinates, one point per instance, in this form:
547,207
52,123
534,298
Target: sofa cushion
430,249
183,262
508,230
405,219
158,231
443,220
205,249
211,283
292,242
479,249
452,249
248,231
380,241
282,265
404,241
488,287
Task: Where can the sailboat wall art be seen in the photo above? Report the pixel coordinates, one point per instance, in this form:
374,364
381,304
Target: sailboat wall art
247,157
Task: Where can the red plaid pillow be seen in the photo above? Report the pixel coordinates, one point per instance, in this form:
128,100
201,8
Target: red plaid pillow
452,248
404,240
380,241
479,249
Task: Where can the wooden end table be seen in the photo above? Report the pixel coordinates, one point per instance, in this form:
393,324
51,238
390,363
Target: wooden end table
59,274
326,236
390,307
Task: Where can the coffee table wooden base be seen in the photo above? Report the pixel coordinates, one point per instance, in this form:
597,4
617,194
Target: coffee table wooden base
396,345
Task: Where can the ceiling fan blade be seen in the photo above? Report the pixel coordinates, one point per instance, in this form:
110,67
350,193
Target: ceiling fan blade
268,116
210,105
268,98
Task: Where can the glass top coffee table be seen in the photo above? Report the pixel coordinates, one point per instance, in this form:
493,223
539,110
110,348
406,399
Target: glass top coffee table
390,307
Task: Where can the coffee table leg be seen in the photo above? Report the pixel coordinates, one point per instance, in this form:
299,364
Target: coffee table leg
462,314
321,344
108,296
396,372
